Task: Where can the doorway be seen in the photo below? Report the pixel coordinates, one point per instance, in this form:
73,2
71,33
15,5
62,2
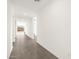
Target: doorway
26,26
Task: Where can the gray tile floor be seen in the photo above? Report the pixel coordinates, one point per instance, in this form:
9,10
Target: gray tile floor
27,48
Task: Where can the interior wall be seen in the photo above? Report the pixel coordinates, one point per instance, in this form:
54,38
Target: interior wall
9,41
35,26
29,28
54,28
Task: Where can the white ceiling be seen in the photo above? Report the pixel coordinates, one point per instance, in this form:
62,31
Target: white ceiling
30,4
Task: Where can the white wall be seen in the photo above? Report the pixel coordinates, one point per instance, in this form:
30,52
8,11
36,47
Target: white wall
54,28
9,41
29,28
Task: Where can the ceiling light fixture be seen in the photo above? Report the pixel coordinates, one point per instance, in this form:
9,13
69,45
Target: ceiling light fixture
36,0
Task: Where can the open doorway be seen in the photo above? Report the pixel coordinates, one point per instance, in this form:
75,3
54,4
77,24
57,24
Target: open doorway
20,27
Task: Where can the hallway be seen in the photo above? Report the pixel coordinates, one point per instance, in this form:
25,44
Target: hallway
27,48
